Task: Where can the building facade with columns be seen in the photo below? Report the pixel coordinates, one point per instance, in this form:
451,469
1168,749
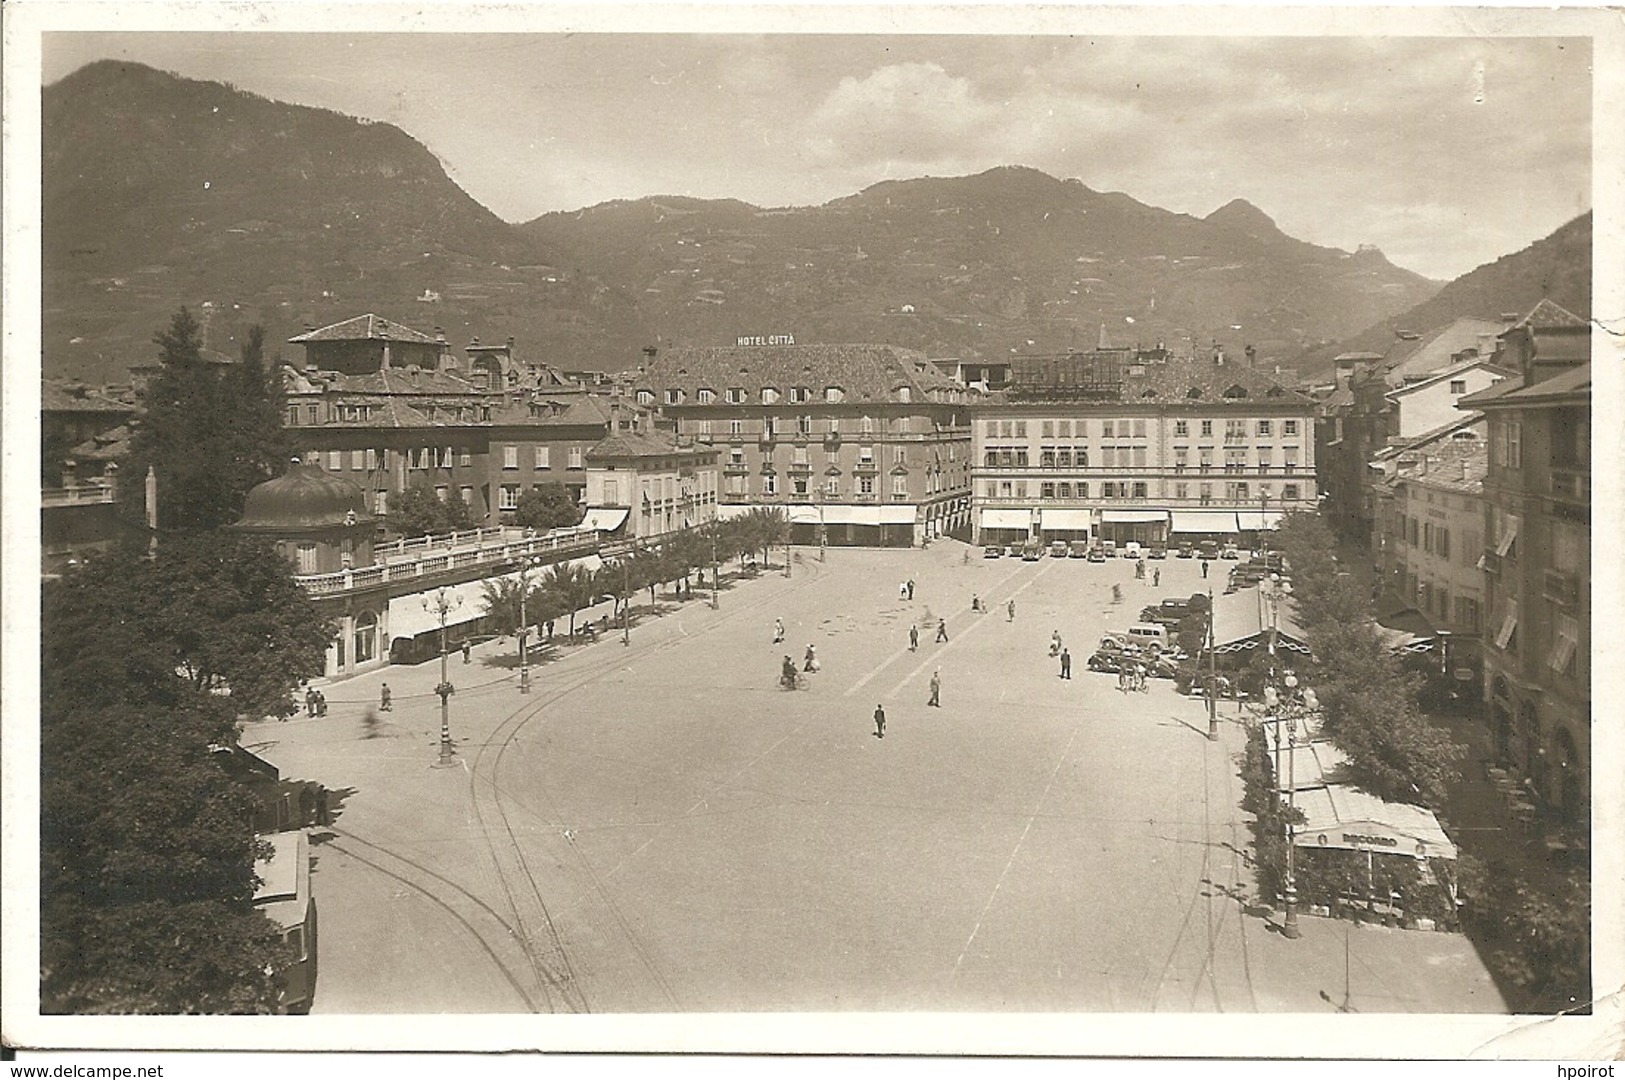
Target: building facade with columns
1120,445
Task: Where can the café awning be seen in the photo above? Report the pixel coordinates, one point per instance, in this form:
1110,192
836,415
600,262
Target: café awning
1073,519
998,517
1338,816
1132,517
1205,521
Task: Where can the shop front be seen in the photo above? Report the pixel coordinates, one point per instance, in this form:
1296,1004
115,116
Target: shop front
1004,525
1143,527
1065,523
1194,526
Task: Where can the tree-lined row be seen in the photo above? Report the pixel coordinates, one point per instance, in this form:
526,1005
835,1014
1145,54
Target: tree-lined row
1368,697
564,589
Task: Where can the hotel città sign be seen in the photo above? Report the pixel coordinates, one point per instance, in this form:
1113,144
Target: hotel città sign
767,339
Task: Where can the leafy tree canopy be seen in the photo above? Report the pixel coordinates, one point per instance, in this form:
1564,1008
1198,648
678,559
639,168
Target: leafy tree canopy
420,511
547,506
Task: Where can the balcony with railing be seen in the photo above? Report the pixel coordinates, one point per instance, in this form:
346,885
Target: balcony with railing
434,556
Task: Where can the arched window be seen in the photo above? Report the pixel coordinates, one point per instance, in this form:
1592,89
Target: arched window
366,637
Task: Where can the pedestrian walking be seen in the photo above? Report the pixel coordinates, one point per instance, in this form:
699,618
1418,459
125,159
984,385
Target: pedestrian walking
1140,683
310,701
810,661
778,631
1055,643
1066,664
1139,570
550,629
1204,568
975,602
911,588
880,722
467,649
307,806
913,638
384,698
902,590
942,630
321,703
936,689
1010,609
1122,679
1156,577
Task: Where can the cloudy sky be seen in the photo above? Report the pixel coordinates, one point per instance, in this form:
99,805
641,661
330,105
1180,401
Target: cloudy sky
1446,152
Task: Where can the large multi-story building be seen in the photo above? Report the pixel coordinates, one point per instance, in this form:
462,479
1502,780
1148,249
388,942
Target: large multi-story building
1430,522
393,408
1119,445
859,444
645,484
1537,557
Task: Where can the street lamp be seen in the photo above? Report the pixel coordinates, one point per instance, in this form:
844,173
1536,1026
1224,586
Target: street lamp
443,603
528,563
822,529
626,604
1212,674
716,600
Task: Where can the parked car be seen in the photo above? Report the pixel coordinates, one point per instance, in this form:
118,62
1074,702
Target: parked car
1057,549
1169,612
1013,550
1157,667
1185,551
1097,554
1109,547
992,551
1207,549
1157,551
1247,575
1131,550
1079,549
1032,553
1230,551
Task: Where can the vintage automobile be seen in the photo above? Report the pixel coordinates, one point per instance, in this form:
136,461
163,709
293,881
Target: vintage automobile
1157,551
1097,554
1156,666
1078,549
1058,549
1185,551
1207,549
992,551
1230,551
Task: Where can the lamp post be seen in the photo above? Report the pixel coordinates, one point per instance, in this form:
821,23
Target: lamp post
526,565
443,603
626,604
823,532
1212,674
716,600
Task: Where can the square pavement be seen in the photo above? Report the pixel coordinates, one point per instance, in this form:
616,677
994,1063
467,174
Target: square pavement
659,827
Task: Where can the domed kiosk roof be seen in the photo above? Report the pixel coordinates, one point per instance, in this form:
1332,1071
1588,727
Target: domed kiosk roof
304,497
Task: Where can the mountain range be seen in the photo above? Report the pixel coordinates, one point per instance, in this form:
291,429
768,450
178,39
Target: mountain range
160,191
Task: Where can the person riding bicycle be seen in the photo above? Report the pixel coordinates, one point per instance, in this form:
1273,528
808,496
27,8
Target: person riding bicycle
787,674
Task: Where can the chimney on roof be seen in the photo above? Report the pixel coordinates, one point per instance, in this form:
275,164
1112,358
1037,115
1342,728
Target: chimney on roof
383,333
440,335
510,345
1218,353
1252,356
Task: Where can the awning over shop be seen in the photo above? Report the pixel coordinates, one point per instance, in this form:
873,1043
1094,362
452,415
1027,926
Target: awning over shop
1059,518
1255,520
995,517
1241,621
408,617
803,515
1205,521
729,511
604,518
1337,816
897,515
1132,517
1307,765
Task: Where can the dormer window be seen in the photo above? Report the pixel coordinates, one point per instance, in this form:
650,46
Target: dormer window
674,397
707,396
1194,392
736,395
646,397
834,394
903,393
770,396
1235,390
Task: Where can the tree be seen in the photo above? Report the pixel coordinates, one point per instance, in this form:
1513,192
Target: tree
567,588
547,506
218,611
420,511
210,432
147,853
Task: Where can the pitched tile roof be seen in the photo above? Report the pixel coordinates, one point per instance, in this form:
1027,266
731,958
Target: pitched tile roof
1178,379
642,444
1451,463
1575,381
104,447
1490,393
367,327
862,372
1450,372
1433,350
399,381
57,397
1548,314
